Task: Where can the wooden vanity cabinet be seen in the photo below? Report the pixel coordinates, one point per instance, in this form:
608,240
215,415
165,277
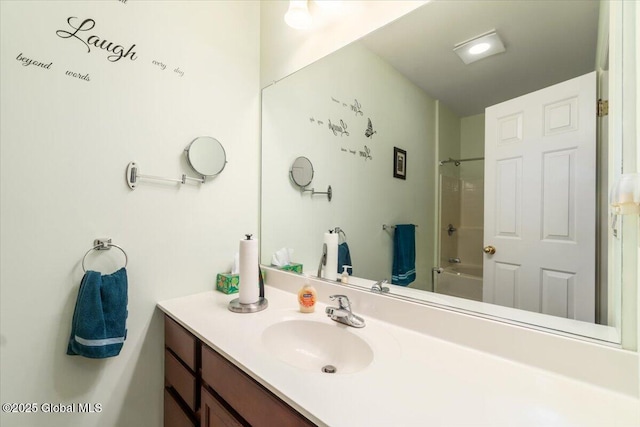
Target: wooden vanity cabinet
203,388
181,376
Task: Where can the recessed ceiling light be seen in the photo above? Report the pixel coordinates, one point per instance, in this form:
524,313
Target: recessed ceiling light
479,47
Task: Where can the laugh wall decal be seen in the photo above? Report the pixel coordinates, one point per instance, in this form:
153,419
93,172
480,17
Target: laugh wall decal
117,51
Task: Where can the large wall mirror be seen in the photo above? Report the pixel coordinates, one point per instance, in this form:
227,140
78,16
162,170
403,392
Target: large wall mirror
505,152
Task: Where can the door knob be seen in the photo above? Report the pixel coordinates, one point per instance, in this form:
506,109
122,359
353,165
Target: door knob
489,250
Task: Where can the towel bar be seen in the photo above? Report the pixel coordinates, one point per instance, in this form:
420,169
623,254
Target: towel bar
389,227
102,245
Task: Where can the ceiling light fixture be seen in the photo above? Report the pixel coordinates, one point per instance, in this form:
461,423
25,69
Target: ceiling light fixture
479,47
298,15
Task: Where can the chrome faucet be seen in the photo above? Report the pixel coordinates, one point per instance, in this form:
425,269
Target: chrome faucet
379,286
454,260
343,313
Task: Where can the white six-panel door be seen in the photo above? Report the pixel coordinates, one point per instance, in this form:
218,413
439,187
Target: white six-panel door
540,187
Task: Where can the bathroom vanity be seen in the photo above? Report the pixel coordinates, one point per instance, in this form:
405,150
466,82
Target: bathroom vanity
203,388
224,368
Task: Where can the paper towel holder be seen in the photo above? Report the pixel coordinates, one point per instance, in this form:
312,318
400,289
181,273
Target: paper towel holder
237,307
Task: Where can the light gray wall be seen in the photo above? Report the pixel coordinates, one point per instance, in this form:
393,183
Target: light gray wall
65,145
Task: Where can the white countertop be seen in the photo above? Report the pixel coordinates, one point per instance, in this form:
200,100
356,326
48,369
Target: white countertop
414,379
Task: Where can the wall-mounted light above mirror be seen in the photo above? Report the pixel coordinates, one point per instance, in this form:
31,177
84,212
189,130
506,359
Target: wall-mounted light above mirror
205,155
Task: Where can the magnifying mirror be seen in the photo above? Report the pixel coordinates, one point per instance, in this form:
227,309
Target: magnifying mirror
206,156
301,171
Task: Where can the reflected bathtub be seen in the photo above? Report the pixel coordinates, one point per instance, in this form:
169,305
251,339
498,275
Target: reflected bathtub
459,280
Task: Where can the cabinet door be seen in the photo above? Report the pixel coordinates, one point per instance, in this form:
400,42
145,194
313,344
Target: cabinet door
174,416
213,414
255,404
181,342
179,378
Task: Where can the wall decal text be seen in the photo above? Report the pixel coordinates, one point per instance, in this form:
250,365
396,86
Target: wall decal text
27,61
338,129
117,51
355,107
366,153
84,77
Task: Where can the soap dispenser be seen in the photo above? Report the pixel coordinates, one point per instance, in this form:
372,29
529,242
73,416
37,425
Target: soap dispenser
345,274
307,297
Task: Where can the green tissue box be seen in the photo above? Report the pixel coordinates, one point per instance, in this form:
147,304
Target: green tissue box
228,283
296,268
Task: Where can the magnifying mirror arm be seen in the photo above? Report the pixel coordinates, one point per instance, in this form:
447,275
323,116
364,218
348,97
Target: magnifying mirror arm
329,192
186,178
133,176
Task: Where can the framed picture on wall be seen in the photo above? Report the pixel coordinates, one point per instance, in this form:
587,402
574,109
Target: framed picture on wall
399,163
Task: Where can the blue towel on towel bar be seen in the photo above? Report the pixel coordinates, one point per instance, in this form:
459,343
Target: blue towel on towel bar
344,258
98,328
404,255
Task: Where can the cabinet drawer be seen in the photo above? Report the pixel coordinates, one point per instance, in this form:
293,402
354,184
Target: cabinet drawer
213,414
258,406
174,416
180,379
180,341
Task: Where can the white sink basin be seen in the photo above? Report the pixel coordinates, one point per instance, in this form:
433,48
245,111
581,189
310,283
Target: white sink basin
312,345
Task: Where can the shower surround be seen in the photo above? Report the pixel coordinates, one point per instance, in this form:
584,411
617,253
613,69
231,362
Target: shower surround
462,206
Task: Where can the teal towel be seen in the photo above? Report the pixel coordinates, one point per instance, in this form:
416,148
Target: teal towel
344,258
98,328
404,255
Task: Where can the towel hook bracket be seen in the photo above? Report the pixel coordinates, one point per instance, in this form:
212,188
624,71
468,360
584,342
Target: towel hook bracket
102,244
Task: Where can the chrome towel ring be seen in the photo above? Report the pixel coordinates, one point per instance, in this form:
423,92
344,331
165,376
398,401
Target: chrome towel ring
102,245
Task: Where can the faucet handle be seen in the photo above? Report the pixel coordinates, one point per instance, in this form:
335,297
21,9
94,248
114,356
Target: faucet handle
343,301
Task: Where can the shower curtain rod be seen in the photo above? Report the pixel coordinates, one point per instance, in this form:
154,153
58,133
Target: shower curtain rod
458,161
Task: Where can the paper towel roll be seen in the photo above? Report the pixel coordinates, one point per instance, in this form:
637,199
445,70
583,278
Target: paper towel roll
331,269
249,288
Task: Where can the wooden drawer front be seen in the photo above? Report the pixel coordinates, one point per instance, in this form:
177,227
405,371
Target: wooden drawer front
181,342
256,405
179,377
174,416
213,414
